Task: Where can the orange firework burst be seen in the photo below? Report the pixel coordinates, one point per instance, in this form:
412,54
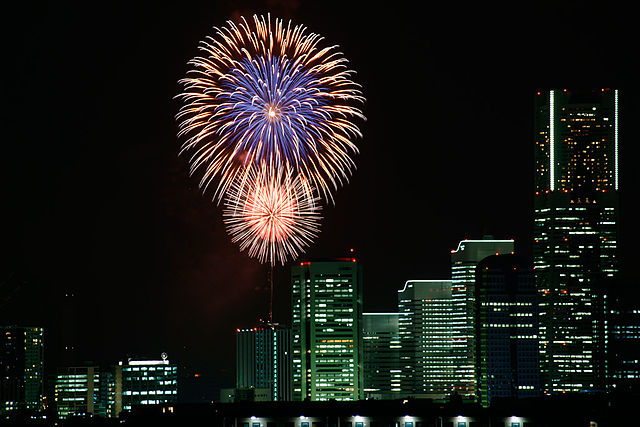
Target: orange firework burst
271,213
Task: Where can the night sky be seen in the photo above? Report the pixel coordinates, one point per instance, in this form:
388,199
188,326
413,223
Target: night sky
97,204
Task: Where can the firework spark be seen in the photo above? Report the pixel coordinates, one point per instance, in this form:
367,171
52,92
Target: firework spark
270,94
271,213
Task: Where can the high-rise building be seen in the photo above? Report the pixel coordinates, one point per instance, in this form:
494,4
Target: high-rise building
427,357
575,232
506,324
464,260
381,355
77,391
21,369
623,319
326,330
145,382
263,360
106,406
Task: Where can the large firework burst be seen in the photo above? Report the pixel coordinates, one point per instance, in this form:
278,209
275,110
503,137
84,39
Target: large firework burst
269,94
271,213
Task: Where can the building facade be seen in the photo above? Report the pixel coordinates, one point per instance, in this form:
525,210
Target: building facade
507,364
427,353
77,391
575,245
623,319
326,330
263,360
21,370
144,382
381,355
464,260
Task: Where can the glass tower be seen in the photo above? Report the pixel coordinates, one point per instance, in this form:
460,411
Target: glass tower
427,353
464,260
381,354
21,369
263,360
575,232
326,330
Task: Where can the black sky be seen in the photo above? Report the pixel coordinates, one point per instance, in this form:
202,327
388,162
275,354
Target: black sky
97,203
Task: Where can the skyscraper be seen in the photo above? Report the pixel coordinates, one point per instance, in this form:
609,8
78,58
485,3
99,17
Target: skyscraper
21,369
263,360
326,327
381,355
575,232
464,260
506,329
427,353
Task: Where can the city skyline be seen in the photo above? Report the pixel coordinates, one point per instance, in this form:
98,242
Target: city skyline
101,210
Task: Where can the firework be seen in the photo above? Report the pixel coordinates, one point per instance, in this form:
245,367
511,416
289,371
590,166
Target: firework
269,94
271,213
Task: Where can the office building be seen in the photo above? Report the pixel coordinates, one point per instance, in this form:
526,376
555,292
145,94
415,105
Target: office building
464,260
77,391
575,232
106,405
381,355
144,382
427,353
21,370
623,320
507,364
326,330
263,360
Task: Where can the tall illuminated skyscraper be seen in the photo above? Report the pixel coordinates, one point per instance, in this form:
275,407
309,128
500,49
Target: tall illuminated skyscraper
464,260
263,360
427,353
575,232
326,330
21,369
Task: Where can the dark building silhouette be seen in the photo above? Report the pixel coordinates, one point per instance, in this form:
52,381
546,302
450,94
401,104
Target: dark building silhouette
381,354
623,321
507,363
575,245
21,370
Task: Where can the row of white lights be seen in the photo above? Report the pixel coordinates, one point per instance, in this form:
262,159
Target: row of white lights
357,418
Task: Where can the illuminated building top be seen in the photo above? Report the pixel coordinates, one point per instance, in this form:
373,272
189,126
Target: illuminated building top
576,147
